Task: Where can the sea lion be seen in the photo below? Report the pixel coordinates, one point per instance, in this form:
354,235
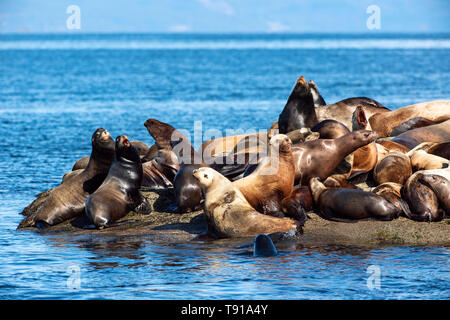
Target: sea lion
228,212
341,204
413,123
435,133
224,145
81,163
394,146
438,149
422,201
317,97
422,160
71,174
330,129
297,204
440,187
359,119
339,181
263,246
67,201
391,191
302,135
119,193
159,173
343,111
299,111
273,178
318,158
395,167
384,123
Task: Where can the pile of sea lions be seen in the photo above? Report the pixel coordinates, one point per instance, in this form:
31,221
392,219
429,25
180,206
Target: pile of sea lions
351,160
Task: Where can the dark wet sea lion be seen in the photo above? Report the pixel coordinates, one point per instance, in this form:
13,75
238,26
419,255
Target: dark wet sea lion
273,178
343,111
318,158
297,204
439,133
299,111
119,193
317,97
340,204
228,212
384,123
440,187
330,129
263,246
395,167
67,201
422,201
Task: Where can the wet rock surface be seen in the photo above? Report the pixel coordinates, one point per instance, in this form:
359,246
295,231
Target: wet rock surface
165,224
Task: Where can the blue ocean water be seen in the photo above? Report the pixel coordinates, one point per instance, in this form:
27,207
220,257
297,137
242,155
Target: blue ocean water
55,90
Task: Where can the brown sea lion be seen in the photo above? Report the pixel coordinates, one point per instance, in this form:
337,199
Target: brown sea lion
342,204
160,172
422,160
422,201
438,149
318,158
81,163
394,146
384,123
119,193
440,187
224,145
338,181
436,133
297,204
395,167
228,212
67,201
391,191
343,111
71,174
273,178
299,111
412,124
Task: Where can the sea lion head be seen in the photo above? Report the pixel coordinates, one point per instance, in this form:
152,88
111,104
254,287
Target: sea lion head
102,145
125,150
205,176
364,137
317,187
359,120
160,131
432,180
301,86
281,142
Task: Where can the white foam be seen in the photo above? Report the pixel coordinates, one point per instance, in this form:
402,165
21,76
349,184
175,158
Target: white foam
96,44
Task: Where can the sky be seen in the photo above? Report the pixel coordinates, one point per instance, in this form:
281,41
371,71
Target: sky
224,16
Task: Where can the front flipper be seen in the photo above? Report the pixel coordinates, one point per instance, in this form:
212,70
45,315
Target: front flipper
140,204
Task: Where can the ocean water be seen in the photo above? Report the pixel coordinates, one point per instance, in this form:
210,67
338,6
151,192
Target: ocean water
55,90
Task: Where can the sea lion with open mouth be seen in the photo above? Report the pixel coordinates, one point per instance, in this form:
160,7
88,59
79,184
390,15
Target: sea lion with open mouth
119,193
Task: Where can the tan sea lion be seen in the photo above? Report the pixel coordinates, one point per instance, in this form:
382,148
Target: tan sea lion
119,193
438,149
228,212
384,123
391,191
273,178
422,160
67,201
395,167
342,204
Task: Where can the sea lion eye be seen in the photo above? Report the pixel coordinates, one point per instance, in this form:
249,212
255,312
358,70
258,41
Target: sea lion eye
206,176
